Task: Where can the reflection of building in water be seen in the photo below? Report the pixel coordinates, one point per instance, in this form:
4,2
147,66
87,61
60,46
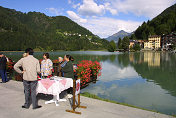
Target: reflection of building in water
153,59
134,59
131,57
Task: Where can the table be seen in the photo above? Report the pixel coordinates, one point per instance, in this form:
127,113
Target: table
54,86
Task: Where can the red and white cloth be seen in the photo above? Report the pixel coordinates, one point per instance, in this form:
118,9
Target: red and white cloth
54,87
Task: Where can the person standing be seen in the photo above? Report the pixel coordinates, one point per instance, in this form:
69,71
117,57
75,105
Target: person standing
67,67
3,73
46,66
60,73
30,67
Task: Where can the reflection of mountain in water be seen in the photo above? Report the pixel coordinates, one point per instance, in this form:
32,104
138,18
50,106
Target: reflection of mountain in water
156,67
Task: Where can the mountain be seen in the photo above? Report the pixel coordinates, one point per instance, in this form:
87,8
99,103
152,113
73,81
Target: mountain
36,30
164,23
118,35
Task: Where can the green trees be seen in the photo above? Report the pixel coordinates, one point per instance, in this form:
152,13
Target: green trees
112,46
34,29
137,47
119,44
125,43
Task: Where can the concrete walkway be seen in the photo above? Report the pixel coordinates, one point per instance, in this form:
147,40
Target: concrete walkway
12,98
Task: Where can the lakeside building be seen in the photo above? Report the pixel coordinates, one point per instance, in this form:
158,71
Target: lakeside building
134,42
168,40
154,42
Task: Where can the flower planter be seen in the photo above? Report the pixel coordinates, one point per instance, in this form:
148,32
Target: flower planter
84,86
88,71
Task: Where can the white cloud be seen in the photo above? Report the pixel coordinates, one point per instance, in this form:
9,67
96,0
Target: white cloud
149,8
111,10
76,5
75,17
90,8
69,2
53,11
104,27
73,4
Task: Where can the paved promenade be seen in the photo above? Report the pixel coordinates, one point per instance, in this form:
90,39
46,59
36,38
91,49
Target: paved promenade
12,98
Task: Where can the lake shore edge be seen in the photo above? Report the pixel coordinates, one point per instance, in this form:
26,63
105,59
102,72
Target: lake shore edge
92,97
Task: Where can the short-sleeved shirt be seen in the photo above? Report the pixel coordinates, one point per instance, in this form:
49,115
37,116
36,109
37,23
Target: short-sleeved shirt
46,67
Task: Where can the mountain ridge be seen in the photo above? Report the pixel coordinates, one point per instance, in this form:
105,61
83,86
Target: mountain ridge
121,34
34,29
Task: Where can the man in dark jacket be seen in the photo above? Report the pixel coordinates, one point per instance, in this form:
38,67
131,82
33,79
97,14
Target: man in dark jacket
68,71
68,68
3,62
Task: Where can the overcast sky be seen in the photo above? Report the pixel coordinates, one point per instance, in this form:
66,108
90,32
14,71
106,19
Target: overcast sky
102,17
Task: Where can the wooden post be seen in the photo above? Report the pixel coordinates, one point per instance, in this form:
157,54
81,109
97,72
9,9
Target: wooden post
74,99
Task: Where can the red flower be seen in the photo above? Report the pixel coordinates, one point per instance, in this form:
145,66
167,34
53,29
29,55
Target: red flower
86,69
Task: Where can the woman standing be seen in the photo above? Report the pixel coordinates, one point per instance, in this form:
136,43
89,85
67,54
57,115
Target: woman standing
46,65
68,67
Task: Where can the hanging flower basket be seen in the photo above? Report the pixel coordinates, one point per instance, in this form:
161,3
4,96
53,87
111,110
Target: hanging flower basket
88,71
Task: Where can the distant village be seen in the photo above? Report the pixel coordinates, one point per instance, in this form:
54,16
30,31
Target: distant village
156,42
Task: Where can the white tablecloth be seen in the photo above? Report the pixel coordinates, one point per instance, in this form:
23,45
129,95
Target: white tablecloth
55,86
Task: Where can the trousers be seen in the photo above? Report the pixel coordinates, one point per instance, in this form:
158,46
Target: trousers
3,75
30,92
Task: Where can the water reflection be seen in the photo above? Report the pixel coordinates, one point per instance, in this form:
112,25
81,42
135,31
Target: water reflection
153,59
158,67
145,79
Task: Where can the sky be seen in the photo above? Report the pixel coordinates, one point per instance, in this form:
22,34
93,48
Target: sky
102,17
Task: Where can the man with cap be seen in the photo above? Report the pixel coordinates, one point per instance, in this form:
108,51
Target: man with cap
3,73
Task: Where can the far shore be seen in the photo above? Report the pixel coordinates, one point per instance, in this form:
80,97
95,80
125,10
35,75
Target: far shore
56,50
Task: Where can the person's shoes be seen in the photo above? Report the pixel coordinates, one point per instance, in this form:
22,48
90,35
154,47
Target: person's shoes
37,107
25,107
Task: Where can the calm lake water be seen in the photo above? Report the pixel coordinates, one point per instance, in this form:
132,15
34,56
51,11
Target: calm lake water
145,79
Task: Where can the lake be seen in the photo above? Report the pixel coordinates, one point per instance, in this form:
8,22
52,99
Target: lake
143,79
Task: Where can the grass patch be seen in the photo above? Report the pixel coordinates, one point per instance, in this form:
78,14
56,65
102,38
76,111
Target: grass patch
89,95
